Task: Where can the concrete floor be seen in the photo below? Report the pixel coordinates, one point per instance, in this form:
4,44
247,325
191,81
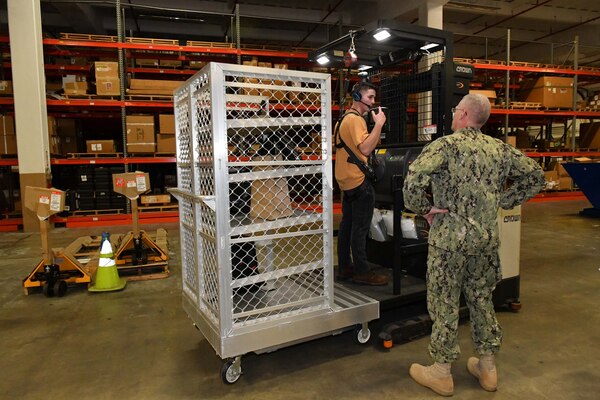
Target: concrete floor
139,344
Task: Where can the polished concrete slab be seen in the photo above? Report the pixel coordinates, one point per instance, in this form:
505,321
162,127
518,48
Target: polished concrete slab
139,344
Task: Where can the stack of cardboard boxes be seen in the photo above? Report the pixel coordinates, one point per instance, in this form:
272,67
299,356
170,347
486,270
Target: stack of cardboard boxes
106,74
550,91
140,134
165,140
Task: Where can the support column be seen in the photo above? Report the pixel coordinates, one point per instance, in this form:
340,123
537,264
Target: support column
431,14
29,87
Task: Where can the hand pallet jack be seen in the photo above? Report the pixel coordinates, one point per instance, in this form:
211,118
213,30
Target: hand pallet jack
136,250
57,268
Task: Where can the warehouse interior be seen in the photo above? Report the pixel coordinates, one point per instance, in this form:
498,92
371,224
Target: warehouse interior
116,120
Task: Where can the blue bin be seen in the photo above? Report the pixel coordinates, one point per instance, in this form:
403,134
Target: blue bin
587,177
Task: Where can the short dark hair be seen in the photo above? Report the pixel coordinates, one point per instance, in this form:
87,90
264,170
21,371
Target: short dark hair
363,85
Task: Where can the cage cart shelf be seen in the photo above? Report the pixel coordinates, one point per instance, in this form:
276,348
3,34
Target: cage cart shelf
255,198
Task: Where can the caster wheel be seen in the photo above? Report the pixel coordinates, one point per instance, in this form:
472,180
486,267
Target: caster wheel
360,335
514,306
231,371
60,288
48,290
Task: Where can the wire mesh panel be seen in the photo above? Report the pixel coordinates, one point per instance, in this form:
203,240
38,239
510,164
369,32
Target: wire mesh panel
412,91
254,171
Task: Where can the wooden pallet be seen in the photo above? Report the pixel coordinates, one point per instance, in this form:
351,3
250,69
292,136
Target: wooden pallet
557,108
114,39
90,97
88,38
149,97
525,64
98,212
463,60
94,155
589,68
174,42
159,208
524,105
217,45
491,62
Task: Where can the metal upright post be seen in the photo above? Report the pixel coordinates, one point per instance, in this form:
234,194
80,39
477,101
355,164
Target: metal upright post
575,67
122,68
507,89
238,41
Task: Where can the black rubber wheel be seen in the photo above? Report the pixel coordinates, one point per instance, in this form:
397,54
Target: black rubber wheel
231,372
48,290
60,288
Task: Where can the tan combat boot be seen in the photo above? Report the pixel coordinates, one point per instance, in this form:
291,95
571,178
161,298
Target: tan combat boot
484,369
436,377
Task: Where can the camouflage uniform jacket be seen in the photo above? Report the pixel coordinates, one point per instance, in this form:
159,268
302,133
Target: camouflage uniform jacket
468,172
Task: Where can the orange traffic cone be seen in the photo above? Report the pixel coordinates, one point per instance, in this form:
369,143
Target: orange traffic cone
107,277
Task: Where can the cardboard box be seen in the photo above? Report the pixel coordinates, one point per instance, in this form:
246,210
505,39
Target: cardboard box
165,143
108,86
54,144
6,88
140,134
146,62
51,125
68,144
141,147
589,135
106,69
166,124
197,64
148,84
170,63
155,199
512,140
7,125
75,88
269,198
550,91
565,183
43,201
131,184
8,144
100,146
490,94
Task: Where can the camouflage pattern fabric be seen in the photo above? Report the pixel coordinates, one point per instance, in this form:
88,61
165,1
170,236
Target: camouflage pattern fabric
467,172
447,274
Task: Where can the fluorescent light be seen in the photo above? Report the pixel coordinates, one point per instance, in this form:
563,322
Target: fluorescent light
323,59
364,67
382,34
429,46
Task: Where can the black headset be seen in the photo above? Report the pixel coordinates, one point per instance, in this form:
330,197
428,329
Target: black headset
355,93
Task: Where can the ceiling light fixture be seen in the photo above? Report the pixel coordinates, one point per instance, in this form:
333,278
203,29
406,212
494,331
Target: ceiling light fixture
429,46
323,59
381,34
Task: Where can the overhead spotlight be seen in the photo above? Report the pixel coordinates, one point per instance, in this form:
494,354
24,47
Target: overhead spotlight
323,59
381,34
429,46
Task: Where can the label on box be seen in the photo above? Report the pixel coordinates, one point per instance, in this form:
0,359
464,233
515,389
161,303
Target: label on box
141,182
55,202
83,178
119,182
96,146
131,184
44,200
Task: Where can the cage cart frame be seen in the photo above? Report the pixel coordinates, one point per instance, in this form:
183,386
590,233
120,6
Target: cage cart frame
255,188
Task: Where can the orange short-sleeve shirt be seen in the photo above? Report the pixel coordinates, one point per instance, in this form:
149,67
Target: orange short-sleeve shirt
353,131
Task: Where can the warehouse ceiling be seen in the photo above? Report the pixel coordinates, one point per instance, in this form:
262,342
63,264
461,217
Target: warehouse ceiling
480,26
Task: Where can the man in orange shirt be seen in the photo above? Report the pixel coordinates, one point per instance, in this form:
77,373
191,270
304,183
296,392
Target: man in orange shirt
358,198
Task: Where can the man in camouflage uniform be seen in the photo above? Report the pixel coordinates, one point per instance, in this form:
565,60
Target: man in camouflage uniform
467,173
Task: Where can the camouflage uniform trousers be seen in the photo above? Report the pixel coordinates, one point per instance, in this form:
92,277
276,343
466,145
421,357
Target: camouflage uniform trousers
449,273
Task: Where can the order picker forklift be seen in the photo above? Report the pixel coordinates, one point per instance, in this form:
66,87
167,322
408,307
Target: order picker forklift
419,83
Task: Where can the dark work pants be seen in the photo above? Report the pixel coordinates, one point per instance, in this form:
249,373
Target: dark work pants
357,212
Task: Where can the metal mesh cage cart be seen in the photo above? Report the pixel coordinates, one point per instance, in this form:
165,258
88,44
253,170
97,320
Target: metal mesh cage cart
255,204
